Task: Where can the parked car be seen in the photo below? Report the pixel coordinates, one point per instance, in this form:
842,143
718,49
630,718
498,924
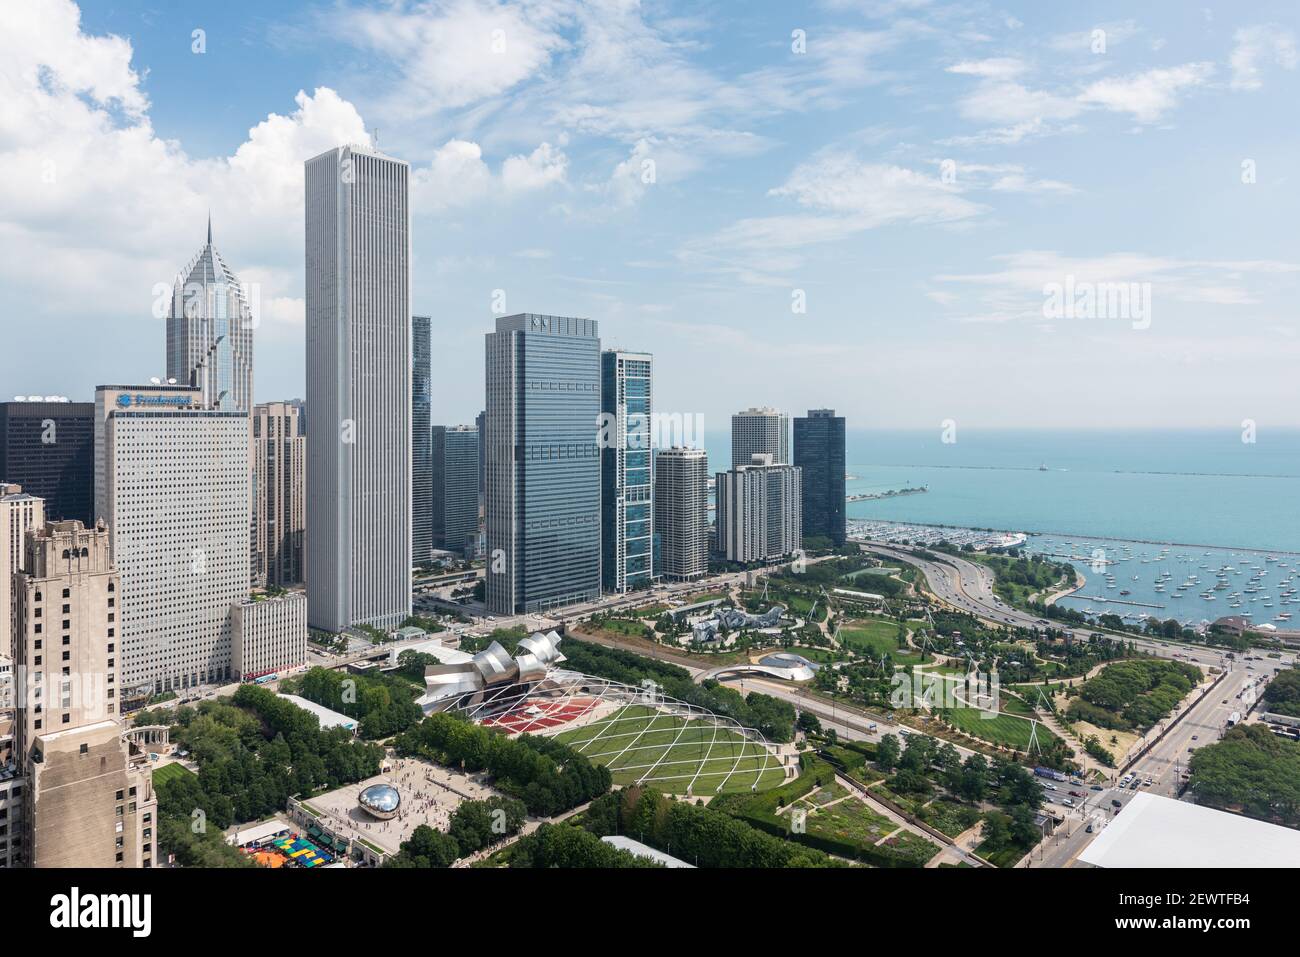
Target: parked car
1116,802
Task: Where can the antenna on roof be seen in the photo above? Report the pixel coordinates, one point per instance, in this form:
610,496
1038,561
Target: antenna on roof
209,227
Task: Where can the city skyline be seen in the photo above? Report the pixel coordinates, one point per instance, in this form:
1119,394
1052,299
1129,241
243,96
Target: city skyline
936,177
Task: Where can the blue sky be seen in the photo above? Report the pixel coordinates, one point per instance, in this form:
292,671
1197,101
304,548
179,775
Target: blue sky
918,173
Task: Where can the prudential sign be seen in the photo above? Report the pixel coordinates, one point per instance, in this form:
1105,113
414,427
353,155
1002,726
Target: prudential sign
138,400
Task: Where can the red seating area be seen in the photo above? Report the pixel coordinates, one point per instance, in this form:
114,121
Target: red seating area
547,714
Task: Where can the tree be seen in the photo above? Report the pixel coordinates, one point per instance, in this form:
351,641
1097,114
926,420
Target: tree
888,752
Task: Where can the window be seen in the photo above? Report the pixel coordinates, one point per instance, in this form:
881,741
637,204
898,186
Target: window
85,748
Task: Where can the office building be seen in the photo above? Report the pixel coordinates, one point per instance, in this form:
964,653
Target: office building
760,432
47,447
819,451
759,510
681,499
177,487
627,481
542,513
421,449
89,798
454,484
269,635
18,512
358,389
480,423
279,496
210,333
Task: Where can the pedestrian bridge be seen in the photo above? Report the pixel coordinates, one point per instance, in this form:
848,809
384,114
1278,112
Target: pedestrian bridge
789,668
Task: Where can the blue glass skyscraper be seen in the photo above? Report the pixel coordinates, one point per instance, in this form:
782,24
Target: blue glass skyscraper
542,467
627,483
455,487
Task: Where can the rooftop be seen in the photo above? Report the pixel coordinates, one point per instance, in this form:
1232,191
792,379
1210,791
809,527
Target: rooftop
1156,831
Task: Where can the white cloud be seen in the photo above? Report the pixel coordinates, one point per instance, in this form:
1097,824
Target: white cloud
1001,68
1267,43
1149,95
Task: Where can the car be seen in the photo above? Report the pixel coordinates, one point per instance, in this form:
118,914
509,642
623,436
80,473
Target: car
1077,794
1146,783
1089,829
1097,787
1050,787
1068,802
1116,802
1196,737
1190,750
1225,701
1135,785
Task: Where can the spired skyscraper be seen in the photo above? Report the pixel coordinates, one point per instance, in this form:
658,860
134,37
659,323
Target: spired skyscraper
359,391
210,333
542,463
421,423
627,482
819,451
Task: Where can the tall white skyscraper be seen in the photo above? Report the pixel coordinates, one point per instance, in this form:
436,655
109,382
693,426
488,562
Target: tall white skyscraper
210,332
759,511
18,512
760,432
682,513
358,389
178,502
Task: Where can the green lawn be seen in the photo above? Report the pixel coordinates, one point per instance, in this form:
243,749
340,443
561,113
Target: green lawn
820,655
170,772
874,637
641,744
625,627
1005,729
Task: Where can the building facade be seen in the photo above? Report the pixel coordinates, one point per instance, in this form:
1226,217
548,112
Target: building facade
210,332
421,439
681,513
89,798
759,511
48,448
760,432
269,635
542,513
279,496
627,481
179,509
455,458
358,245
819,452
18,512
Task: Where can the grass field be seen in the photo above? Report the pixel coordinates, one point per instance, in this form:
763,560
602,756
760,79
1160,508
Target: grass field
1005,729
672,754
170,772
874,637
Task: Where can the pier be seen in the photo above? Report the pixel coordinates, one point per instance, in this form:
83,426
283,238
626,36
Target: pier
1116,601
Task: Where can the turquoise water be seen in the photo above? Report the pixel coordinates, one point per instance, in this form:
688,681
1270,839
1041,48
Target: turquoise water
1195,487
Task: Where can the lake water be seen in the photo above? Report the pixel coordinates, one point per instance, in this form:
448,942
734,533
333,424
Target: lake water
1204,488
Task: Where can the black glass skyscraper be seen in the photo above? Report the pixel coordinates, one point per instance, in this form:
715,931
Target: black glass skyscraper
421,442
819,451
49,449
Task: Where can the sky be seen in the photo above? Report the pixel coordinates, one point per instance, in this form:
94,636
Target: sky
910,211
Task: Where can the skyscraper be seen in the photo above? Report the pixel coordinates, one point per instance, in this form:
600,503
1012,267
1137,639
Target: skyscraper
178,503
627,482
455,487
358,389
760,432
543,463
819,451
279,495
210,332
758,511
682,513
47,447
421,422
90,800
18,512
